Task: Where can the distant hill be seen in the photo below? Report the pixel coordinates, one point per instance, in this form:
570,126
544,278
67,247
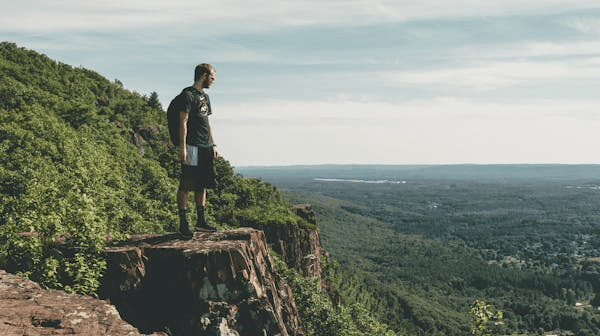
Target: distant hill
399,172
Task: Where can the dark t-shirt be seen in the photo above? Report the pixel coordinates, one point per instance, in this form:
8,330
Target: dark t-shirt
197,104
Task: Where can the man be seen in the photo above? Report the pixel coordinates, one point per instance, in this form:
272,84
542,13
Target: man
197,149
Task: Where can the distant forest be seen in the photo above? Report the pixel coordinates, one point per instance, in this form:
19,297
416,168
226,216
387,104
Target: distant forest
524,238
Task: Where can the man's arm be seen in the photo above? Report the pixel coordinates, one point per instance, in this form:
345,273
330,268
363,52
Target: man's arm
183,119
215,153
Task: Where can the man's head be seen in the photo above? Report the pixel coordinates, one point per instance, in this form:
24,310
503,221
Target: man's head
204,75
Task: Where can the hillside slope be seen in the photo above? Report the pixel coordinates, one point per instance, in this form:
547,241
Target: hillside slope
84,163
83,158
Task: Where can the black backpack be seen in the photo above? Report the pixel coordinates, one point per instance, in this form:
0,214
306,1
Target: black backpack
173,118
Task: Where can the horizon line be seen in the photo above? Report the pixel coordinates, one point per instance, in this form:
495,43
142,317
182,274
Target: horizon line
415,164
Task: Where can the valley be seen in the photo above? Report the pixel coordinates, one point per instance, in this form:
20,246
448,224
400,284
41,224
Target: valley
526,240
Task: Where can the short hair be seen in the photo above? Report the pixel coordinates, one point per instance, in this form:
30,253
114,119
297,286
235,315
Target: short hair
202,69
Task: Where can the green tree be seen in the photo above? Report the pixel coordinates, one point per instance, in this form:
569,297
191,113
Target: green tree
153,100
484,318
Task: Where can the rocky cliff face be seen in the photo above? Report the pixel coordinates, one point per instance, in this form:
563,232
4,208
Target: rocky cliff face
26,309
299,247
221,283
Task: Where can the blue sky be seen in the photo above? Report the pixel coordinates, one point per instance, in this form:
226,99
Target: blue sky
363,82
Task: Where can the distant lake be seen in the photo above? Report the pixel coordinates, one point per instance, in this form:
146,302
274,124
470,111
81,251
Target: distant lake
359,181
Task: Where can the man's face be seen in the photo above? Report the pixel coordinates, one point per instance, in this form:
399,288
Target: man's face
209,79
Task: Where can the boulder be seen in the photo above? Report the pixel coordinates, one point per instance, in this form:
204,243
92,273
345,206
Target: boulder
220,283
27,309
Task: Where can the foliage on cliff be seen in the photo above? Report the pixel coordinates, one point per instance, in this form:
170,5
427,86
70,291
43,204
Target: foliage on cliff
320,317
85,161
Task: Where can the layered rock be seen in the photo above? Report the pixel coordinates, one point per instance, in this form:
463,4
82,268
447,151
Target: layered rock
299,246
221,283
27,309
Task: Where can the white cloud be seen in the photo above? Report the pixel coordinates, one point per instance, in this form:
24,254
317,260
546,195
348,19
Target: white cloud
498,74
529,49
586,25
200,16
377,112
444,130
491,66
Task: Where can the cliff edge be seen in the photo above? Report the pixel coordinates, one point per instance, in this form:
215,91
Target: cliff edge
27,309
221,283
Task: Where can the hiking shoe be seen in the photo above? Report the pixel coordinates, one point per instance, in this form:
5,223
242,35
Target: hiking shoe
184,227
205,227
186,232
201,223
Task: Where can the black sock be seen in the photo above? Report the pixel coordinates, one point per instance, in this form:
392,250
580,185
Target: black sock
201,218
183,215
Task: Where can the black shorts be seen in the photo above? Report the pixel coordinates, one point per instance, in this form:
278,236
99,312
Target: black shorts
202,175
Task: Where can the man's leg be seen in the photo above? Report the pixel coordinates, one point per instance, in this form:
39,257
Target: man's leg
201,223
182,200
201,197
205,173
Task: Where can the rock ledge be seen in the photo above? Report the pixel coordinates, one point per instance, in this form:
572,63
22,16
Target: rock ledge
27,309
221,283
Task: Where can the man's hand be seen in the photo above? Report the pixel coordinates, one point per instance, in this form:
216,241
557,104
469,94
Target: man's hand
215,153
183,119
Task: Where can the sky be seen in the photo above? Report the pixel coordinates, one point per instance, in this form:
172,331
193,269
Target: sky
350,82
